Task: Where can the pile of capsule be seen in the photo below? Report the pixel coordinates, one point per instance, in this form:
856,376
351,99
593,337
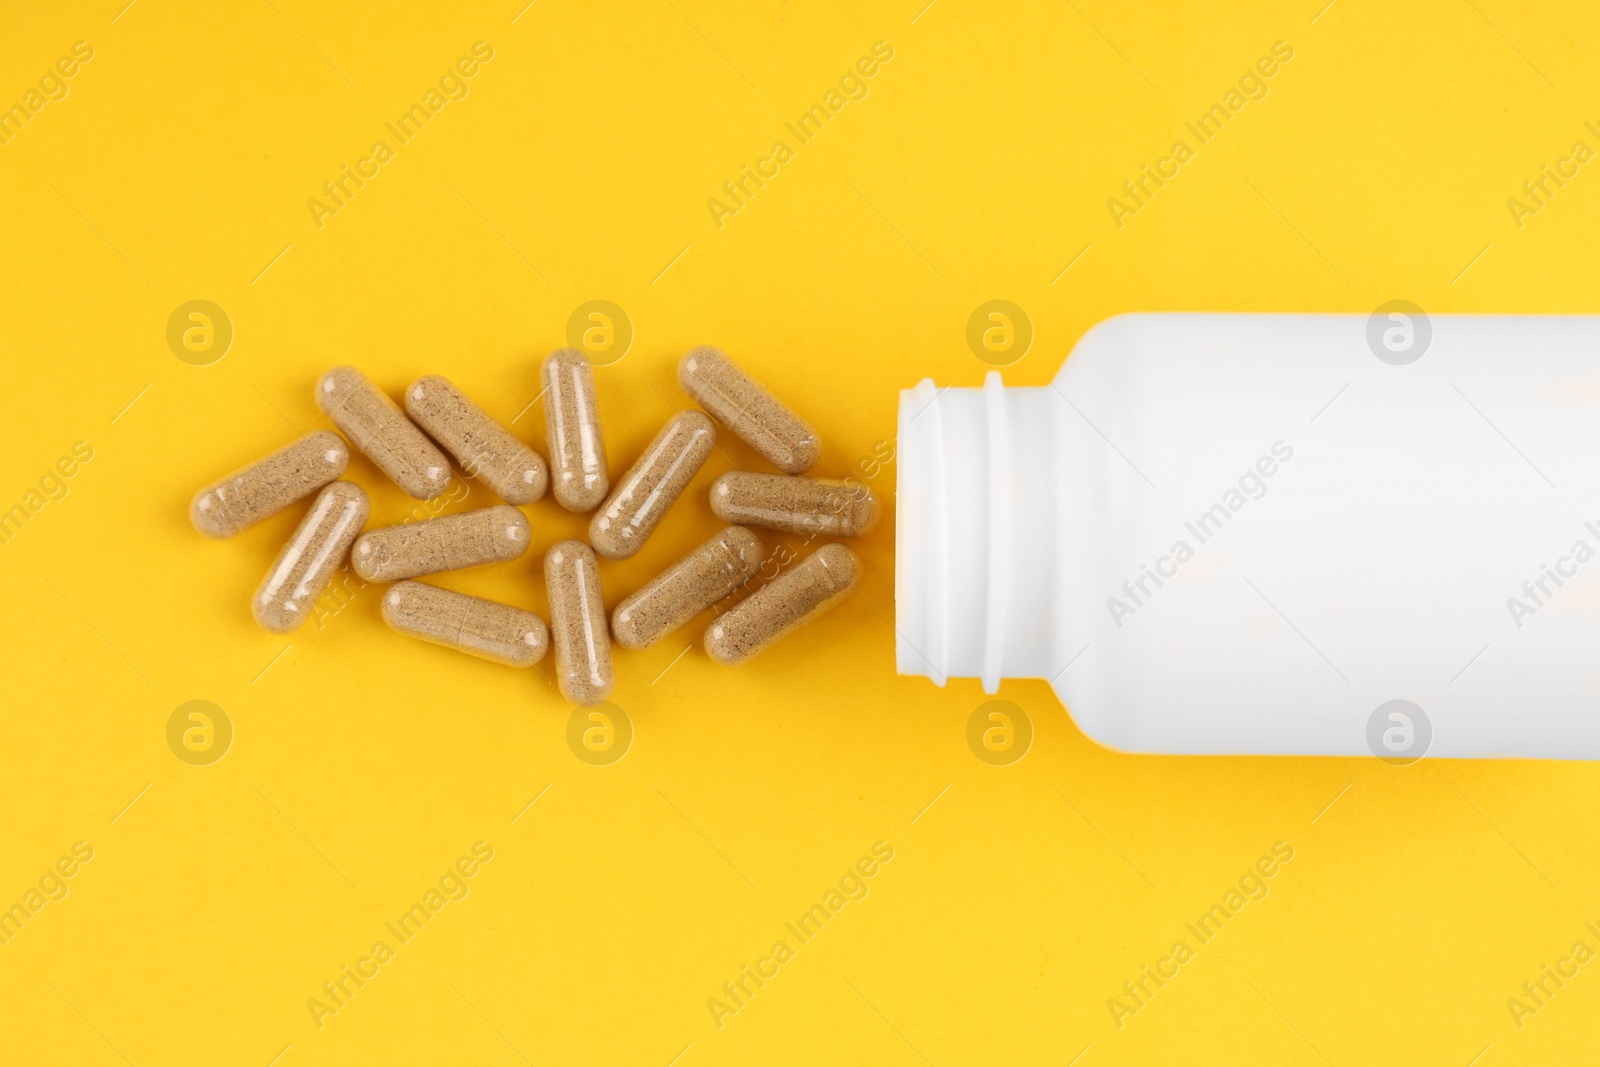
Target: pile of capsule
408,450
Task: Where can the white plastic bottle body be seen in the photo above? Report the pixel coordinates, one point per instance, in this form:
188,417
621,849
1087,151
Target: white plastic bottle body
1249,534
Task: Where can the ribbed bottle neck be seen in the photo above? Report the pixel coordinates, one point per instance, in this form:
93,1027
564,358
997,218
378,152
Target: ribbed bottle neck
977,534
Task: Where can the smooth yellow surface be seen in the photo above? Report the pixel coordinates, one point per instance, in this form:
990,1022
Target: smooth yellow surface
978,166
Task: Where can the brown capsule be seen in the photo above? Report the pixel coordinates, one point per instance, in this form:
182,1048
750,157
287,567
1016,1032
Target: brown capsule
376,425
269,485
621,527
308,562
484,628
484,449
572,429
687,588
782,606
744,406
813,506
578,623
447,543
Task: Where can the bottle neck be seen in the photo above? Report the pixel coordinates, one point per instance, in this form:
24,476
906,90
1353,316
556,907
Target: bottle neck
977,533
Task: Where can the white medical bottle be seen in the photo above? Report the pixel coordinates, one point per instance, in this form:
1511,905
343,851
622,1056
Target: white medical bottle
1273,534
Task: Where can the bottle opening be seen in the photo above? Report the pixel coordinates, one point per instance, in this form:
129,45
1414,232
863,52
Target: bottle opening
975,540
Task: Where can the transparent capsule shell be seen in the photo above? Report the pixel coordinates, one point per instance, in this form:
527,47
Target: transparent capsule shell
812,506
483,448
380,430
745,407
777,609
484,628
635,507
578,623
446,543
578,478
267,486
307,563
697,581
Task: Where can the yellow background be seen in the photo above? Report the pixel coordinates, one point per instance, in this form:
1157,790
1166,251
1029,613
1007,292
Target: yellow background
363,764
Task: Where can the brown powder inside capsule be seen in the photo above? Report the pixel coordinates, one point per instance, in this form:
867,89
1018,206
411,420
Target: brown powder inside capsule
578,623
777,609
375,424
485,449
578,477
688,587
306,564
447,543
799,505
746,407
484,628
652,485
269,485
